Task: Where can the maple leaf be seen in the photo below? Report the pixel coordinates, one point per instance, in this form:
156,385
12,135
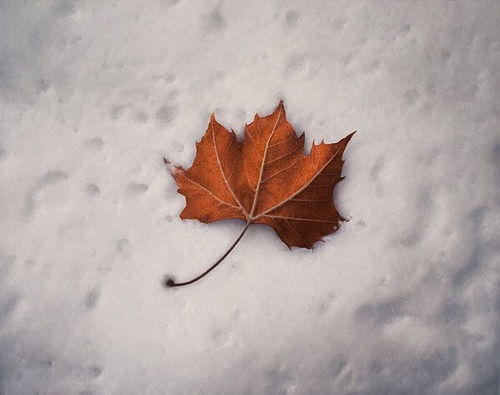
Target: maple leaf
264,179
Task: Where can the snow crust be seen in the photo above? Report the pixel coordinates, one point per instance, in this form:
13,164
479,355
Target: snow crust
403,299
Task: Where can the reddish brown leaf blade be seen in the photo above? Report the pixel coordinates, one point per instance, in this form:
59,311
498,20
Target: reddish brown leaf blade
265,179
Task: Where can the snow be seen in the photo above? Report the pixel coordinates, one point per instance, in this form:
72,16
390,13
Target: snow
403,299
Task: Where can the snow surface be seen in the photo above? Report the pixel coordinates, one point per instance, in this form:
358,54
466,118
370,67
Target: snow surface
403,299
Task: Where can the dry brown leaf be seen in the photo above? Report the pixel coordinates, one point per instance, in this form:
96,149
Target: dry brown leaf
264,179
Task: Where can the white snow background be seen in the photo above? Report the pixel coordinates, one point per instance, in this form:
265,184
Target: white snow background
403,299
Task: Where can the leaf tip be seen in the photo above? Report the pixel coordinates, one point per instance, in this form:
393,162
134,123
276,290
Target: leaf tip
349,136
281,108
171,167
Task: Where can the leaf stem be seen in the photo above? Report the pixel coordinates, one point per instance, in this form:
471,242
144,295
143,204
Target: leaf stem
170,282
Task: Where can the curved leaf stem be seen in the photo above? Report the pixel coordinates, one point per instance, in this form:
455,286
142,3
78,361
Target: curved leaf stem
170,282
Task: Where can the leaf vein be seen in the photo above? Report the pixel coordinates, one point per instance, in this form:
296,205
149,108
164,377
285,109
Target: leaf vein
223,174
298,218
